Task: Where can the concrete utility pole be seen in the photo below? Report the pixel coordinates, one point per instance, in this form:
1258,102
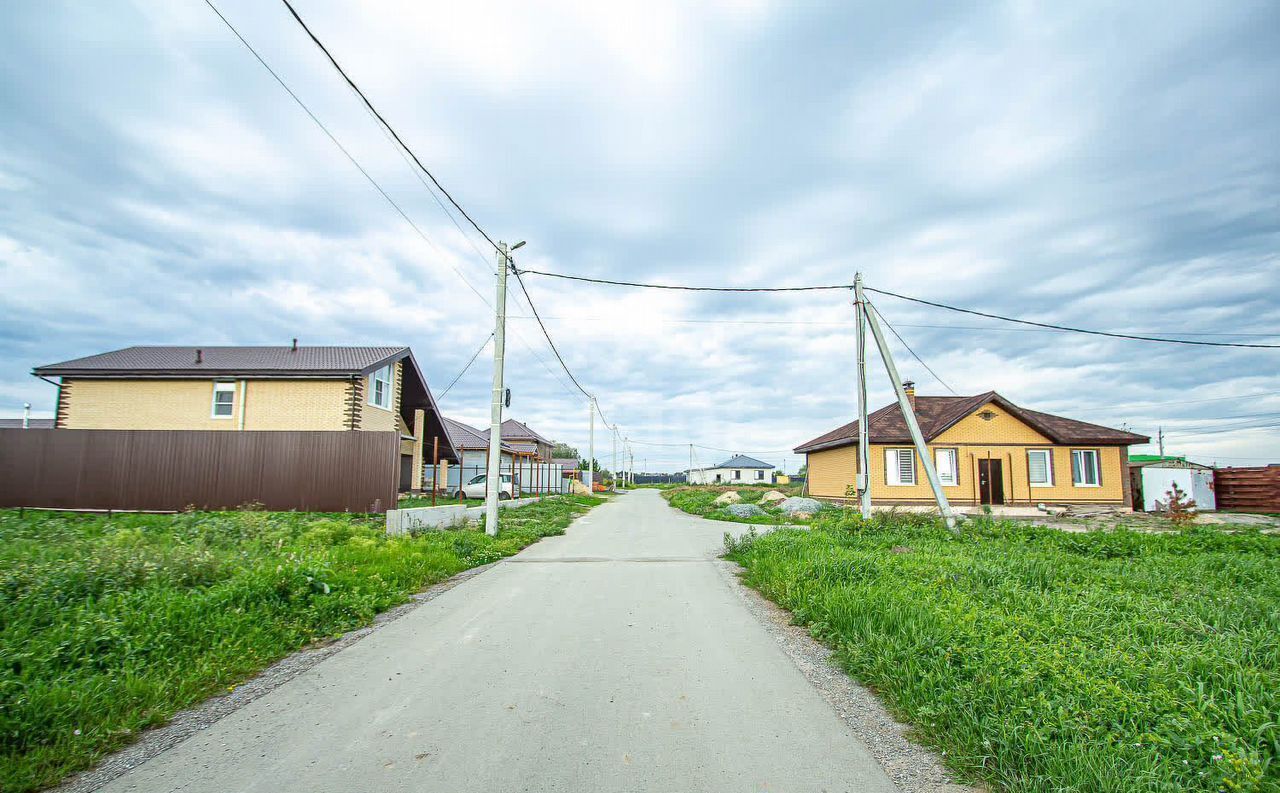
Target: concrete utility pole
615,458
493,480
591,445
909,415
688,479
26,415
864,449
1160,441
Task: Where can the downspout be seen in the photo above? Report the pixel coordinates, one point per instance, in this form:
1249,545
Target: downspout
244,401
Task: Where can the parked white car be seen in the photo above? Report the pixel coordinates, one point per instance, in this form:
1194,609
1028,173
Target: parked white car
476,487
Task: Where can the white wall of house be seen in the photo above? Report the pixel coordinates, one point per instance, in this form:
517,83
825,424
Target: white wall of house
731,476
1195,482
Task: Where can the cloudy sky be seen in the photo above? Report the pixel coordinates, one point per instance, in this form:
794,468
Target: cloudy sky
1109,166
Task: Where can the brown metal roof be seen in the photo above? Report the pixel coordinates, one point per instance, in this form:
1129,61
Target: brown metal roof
465,436
519,431
181,361
936,414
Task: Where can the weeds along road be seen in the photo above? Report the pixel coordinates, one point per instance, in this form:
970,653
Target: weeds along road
615,658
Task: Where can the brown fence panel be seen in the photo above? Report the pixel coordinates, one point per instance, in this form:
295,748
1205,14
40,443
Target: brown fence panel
1248,489
173,469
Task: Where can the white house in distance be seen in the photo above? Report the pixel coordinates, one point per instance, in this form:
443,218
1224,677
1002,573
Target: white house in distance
737,470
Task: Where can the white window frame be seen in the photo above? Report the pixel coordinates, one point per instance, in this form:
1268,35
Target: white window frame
385,375
737,475
947,463
893,467
759,475
1048,467
1097,467
223,387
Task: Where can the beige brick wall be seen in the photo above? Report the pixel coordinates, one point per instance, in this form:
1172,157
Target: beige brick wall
188,405
1002,438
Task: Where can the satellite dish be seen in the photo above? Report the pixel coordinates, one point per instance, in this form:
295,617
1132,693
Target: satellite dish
506,400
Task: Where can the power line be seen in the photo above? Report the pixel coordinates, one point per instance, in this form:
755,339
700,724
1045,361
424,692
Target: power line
484,344
822,287
399,210
559,357
386,124
682,288
928,368
1132,337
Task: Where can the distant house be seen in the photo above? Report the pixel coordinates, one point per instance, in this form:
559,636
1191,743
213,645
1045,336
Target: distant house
987,450
526,441
737,470
228,389
472,445
1151,476
568,467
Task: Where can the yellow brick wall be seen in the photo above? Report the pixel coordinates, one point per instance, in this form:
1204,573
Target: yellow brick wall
188,405
831,471
1004,438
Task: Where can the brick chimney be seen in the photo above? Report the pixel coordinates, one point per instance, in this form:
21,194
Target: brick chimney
910,388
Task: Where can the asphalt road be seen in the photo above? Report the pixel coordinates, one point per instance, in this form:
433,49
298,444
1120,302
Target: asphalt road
615,658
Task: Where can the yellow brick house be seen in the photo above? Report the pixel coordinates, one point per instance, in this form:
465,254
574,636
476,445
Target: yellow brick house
988,451
229,389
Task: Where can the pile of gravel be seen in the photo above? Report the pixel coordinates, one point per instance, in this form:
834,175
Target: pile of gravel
744,510
728,497
800,507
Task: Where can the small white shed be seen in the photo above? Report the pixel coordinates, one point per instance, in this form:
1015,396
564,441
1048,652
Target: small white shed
1154,477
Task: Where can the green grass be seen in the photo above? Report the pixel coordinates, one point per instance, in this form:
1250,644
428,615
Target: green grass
413,502
700,500
1046,661
111,625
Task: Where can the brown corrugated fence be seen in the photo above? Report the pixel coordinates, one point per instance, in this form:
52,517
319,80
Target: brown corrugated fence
173,469
1248,489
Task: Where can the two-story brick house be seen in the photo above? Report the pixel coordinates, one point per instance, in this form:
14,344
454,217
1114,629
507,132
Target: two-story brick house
230,389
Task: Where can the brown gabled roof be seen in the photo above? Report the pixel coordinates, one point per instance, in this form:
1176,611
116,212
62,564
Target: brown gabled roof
937,414
465,436
519,431
226,361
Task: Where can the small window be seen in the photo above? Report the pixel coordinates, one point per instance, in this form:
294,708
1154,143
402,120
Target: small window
759,474
947,463
1040,467
900,466
380,387
224,400
1084,468
737,474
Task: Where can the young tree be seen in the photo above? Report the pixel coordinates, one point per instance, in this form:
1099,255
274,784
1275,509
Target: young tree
1180,509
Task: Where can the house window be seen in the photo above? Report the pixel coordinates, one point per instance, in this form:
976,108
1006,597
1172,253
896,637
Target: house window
1084,468
737,474
224,400
900,466
947,463
380,387
759,474
1040,467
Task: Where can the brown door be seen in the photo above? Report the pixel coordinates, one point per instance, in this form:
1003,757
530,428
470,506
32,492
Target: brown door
991,481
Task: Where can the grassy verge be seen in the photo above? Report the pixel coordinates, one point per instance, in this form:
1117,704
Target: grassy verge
111,625
700,501
413,502
1046,661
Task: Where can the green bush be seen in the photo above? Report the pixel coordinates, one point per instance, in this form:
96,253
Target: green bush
1041,660
111,625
